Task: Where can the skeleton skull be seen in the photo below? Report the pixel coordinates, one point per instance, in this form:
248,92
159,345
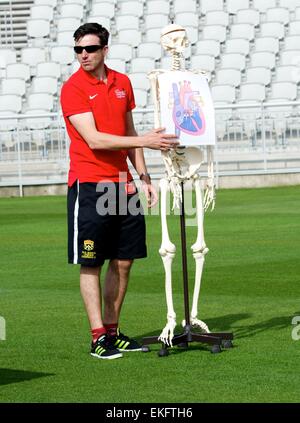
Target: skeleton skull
174,39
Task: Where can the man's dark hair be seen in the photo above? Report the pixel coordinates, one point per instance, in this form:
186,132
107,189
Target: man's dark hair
92,28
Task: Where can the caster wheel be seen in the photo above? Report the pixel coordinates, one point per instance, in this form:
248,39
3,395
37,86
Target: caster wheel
227,343
145,348
215,349
163,352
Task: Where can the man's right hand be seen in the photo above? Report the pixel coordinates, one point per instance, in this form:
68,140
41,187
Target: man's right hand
156,140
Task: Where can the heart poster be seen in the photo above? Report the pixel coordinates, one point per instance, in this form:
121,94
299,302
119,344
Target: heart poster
186,107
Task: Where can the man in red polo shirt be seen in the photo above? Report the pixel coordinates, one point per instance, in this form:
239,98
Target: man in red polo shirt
97,103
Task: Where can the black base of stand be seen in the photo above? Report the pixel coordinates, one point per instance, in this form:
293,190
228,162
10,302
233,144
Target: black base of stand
215,339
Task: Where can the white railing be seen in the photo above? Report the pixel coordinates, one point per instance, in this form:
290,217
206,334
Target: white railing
250,140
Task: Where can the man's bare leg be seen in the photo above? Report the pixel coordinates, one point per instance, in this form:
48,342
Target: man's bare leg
115,287
91,294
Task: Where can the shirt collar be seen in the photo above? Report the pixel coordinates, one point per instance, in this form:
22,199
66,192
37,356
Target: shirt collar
110,74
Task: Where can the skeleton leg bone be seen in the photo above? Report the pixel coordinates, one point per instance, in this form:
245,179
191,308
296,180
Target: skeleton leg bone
199,250
167,252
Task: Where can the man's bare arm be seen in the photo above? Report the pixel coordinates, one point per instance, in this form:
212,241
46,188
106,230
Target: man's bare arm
84,124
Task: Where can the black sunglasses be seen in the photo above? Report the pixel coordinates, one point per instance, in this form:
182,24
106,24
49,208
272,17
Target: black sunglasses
88,49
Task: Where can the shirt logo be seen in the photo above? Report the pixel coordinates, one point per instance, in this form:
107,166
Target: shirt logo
93,96
120,93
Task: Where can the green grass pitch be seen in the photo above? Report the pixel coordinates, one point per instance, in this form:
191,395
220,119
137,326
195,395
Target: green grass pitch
250,286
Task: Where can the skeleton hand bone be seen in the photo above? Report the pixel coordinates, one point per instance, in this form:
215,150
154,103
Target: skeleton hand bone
167,333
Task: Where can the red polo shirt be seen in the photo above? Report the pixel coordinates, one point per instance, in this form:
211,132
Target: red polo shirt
109,104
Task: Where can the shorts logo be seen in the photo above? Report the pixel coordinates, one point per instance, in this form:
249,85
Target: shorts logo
120,93
88,245
88,252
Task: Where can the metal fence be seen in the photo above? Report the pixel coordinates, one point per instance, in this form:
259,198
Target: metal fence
250,140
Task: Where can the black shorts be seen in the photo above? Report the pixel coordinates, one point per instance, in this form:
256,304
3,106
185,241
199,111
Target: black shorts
105,221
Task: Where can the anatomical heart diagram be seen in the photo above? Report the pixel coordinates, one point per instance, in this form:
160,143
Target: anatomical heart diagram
186,107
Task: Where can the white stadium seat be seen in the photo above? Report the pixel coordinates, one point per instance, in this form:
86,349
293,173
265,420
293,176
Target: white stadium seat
278,14
284,91
203,62
102,20
183,6
233,60
18,70
62,54
228,76
65,38
142,64
267,44
292,42
117,64
40,101
208,5
156,20
214,32
152,50
139,80
208,47
234,5
263,58
7,55
258,75
13,86
249,16
37,122
10,102
32,56
67,24
152,35
158,6
41,12
134,8
127,22
294,28
217,17
263,5
223,93
242,31
103,9
71,10
272,29
187,19
290,4
252,92
48,69
238,45
288,73
38,28
290,57
120,51
44,84
130,36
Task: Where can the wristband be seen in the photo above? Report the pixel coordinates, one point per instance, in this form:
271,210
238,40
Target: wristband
142,175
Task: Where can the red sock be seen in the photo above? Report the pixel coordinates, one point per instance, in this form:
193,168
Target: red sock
111,328
97,332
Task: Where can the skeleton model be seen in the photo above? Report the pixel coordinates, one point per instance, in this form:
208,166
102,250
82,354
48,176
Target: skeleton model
181,164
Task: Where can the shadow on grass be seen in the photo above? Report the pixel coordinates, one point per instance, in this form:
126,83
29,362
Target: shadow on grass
230,323
8,376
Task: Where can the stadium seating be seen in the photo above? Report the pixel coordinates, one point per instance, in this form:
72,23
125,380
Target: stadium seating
242,44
